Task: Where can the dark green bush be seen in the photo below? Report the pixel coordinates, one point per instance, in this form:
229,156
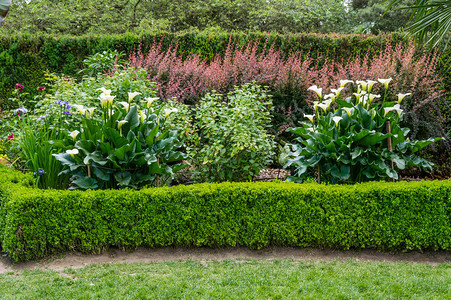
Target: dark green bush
377,215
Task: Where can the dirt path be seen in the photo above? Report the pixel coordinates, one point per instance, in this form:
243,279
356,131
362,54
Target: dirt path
142,255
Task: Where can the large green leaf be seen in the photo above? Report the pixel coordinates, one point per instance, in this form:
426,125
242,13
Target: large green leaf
374,138
150,137
123,178
86,182
342,172
96,157
132,119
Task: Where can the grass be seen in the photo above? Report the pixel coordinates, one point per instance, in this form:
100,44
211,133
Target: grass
233,279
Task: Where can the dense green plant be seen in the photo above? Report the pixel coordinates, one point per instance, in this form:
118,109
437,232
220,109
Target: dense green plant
125,147
102,62
233,139
399,216
356,139
35,147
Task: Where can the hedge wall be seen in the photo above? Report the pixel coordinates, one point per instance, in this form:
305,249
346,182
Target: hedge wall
378,215
24,58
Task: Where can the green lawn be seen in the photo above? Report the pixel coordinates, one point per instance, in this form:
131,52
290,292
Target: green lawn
233,279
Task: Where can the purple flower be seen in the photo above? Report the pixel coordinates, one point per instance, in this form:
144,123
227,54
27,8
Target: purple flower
41,117
10,137
18,86
63,103
40,172
21,109
68,113
41,88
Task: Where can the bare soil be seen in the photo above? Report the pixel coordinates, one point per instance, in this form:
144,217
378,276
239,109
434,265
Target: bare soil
143,255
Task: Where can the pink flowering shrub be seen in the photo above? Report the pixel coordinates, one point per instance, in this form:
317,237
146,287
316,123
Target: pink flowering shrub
288,77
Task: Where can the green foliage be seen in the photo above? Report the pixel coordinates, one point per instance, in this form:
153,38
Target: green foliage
118,17
355,141
102,62
123,147
233,139
375,215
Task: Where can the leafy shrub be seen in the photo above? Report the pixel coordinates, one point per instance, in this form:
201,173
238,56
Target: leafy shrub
125,147
355,141
102,62
233,142
399,216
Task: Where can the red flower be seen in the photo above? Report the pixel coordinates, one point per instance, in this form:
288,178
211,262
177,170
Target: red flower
41,88
19,87
10,137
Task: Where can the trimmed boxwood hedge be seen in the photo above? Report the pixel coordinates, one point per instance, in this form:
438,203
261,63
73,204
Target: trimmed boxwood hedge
379,215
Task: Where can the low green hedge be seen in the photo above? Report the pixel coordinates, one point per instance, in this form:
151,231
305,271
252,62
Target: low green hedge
378,215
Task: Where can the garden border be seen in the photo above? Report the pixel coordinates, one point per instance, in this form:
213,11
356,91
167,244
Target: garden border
386,216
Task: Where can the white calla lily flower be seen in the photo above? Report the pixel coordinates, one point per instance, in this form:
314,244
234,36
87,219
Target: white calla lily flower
337,119
105,91
72,152
150,101
395,107
125,105
337,91
74,134
131,96
370,85
310,117
80,109
385,82
348,110
317,90
363,84
345,82
167,112
401,96
121,123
